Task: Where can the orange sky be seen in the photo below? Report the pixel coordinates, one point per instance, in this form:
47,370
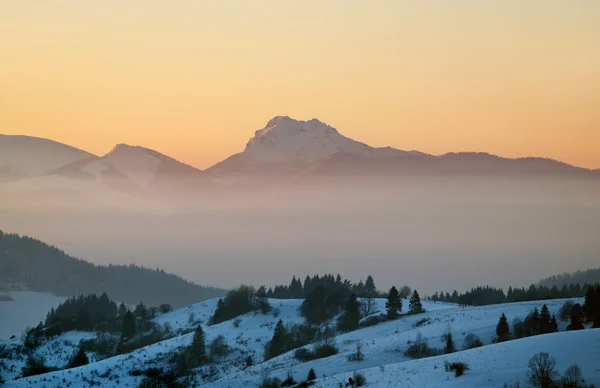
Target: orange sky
194,79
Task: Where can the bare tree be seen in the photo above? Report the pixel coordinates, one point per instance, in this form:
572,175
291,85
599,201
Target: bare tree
542,372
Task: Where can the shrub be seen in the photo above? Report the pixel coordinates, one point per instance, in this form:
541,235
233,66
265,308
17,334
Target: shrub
459,368
420,348
372,320
270,382
359,380
237,322
542,371
518,327
35,366
79,359
320,351
219,347
472,341
289,381
358,354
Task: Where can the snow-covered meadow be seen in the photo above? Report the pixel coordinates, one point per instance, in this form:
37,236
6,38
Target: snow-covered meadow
383,345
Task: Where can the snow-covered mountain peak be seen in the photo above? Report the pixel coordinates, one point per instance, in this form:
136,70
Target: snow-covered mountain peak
284,139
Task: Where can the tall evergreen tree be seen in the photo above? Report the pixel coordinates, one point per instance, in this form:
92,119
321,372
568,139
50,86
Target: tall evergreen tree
393,304
545,321
198,347
128,325
576,318
279,341
311,375
449,342
590,306
122,310
141,311
502,329
553,325
351,317
415,306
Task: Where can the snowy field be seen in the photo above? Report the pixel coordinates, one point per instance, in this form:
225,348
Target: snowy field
27,309
383,345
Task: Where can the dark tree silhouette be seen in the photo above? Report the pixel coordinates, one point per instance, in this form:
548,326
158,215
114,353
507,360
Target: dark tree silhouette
393,304
502,329
128,325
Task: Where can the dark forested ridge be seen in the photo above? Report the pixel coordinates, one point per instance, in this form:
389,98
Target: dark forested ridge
588,276
41,267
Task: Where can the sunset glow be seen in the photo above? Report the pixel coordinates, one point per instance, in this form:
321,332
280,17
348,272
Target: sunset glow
196,80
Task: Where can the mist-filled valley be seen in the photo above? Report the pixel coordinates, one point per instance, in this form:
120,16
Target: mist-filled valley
440,233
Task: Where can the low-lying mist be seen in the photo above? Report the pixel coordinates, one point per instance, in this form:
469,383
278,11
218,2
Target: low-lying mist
439,234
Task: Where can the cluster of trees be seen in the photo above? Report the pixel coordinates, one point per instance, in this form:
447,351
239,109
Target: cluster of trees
300,290
536,322
82,312
44,268
240,301
482,296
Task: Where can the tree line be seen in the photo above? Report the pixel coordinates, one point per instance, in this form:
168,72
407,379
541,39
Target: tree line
482,296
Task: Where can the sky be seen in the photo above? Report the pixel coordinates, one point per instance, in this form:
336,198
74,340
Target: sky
195,79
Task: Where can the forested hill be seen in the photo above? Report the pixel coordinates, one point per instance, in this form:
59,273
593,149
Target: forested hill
588,276
44,268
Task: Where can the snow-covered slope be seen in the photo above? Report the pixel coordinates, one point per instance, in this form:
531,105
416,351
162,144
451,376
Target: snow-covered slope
26,155
383,346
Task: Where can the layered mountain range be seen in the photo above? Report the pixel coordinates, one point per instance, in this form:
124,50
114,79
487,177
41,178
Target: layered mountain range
284,151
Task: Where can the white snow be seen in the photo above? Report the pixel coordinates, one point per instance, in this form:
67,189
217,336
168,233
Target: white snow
383,346
285,140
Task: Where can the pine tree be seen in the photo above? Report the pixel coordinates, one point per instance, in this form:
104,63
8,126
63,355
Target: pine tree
393,304
122,310
141,311
576,318
79,359
590,305
596,324
502,329
311,375
198,347
128,325
351,317
447,338
545,321
279,342
221,314
415,306
553,325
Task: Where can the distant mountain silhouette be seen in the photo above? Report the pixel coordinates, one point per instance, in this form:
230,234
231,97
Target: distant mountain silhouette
44,268
285,150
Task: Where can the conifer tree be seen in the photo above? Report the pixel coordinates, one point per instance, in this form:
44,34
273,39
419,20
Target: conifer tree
198,347
279,341
415,306
311,375
122,310
553,325
502,329
590,305
576,318
351,317
447,339
545,321
393,304
128,325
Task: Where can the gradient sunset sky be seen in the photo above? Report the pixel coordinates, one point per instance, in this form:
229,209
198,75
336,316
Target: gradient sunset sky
194,79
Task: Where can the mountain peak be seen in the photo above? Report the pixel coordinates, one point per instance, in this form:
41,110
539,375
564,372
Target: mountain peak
284,139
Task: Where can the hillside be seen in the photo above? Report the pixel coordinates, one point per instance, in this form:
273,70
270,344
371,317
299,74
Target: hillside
44,268
384,364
